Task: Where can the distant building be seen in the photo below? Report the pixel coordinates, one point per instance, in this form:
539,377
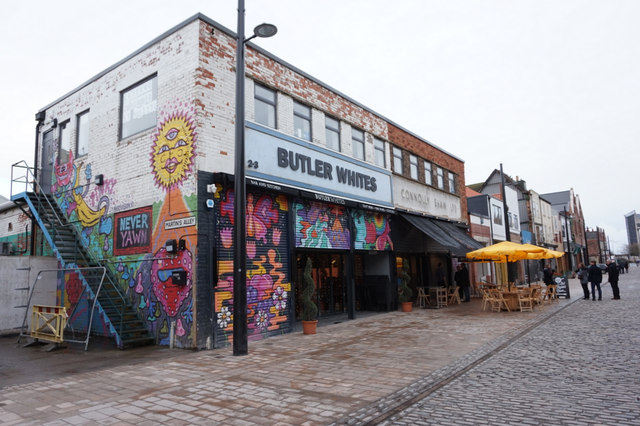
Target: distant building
632,220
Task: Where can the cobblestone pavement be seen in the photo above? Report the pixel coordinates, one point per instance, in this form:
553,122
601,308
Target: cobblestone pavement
579,367
352,372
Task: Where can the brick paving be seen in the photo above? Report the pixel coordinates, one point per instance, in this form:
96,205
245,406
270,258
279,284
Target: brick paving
352,372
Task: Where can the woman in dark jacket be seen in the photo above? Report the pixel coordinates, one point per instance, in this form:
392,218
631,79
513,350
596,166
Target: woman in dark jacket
595,277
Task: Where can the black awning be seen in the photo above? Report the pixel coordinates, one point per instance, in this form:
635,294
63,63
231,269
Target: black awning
437,233
461,236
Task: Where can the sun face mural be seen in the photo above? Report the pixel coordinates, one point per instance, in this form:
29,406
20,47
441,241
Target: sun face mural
172,151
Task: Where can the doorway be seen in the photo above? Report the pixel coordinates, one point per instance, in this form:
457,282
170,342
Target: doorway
328,272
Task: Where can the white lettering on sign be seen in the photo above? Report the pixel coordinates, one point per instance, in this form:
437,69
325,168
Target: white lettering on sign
180,223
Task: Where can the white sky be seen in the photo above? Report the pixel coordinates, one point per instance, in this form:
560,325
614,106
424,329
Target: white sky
548,88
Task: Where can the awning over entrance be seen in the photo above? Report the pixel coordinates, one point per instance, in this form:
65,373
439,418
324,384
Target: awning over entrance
446,234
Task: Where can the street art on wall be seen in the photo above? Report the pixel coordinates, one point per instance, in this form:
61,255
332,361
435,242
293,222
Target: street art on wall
372,231
268,283
320,225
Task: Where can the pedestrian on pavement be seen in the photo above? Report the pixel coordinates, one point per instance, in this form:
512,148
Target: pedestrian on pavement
583,276
440,276
612,273
547,275
462,280
595,277
626,267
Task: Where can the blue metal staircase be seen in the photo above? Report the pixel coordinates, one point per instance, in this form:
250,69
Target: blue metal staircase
113,305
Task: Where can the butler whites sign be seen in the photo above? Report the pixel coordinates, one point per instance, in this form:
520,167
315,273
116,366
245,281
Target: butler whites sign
275,157
424,199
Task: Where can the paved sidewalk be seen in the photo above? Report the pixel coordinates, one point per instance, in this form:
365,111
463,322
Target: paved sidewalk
346,373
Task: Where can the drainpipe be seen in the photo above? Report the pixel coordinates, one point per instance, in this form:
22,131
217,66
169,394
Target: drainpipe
40,115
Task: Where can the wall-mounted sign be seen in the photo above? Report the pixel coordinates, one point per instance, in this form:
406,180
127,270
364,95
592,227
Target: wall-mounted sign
182,222
420,198
133,231
281,159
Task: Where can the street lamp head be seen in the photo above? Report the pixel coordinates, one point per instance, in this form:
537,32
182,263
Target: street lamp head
265,30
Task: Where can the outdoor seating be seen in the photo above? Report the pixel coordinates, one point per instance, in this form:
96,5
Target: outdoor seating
439,295
536,294
525,301
453,295
498,301
550,294
486,298
424,299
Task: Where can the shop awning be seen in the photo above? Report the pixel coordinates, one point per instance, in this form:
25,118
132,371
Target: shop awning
446,234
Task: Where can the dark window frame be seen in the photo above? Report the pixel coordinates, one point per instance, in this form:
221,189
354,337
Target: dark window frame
297,114
154,88
257,98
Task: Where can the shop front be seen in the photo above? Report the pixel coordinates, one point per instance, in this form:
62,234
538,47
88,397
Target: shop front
303,202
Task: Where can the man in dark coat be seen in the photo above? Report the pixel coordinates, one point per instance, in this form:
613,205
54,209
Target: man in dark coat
612,273
547,275
595,277
462,279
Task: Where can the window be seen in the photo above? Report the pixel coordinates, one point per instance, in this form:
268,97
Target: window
138,106
514,224
301,121
428,173
378,147
64,135
357,143
497,215
440,176
413,166
332,128
397,160
265,106
82,134
452,182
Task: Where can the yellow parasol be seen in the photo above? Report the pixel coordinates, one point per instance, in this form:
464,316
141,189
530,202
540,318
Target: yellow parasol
505,251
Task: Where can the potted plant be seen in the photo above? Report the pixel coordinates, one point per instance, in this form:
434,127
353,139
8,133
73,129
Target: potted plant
309,308
404,291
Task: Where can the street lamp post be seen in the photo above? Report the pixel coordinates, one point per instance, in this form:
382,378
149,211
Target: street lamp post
240,346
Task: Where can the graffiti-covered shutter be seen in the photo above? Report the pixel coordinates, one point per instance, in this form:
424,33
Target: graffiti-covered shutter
320,225
268,281
372,230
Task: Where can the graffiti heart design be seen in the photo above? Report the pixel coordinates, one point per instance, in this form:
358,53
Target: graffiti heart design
171,295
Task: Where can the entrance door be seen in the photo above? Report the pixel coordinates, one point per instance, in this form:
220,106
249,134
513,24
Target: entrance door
328,272
48,150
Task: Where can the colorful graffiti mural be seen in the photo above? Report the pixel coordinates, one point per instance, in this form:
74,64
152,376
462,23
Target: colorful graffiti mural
321,225
161,301
268,283
372,231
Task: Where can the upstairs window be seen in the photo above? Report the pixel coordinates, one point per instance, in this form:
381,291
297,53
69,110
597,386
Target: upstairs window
428,173
82,134
440,177
397,160
452,182
357,143
138,107
64,135
413,166
265,106
301,121
332,131
497,215
378,147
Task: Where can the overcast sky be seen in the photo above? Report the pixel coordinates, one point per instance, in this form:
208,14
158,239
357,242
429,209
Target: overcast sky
548,88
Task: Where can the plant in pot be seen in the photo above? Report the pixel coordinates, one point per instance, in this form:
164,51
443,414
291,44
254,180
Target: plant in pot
309,308
404,291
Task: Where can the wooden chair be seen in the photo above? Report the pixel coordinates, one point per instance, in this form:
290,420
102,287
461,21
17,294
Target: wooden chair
498,301
453,295
487,298
423,298
525,301
550,294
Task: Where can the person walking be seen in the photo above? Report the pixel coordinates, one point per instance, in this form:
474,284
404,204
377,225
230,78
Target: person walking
612,273
462,279
583,276
595,277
